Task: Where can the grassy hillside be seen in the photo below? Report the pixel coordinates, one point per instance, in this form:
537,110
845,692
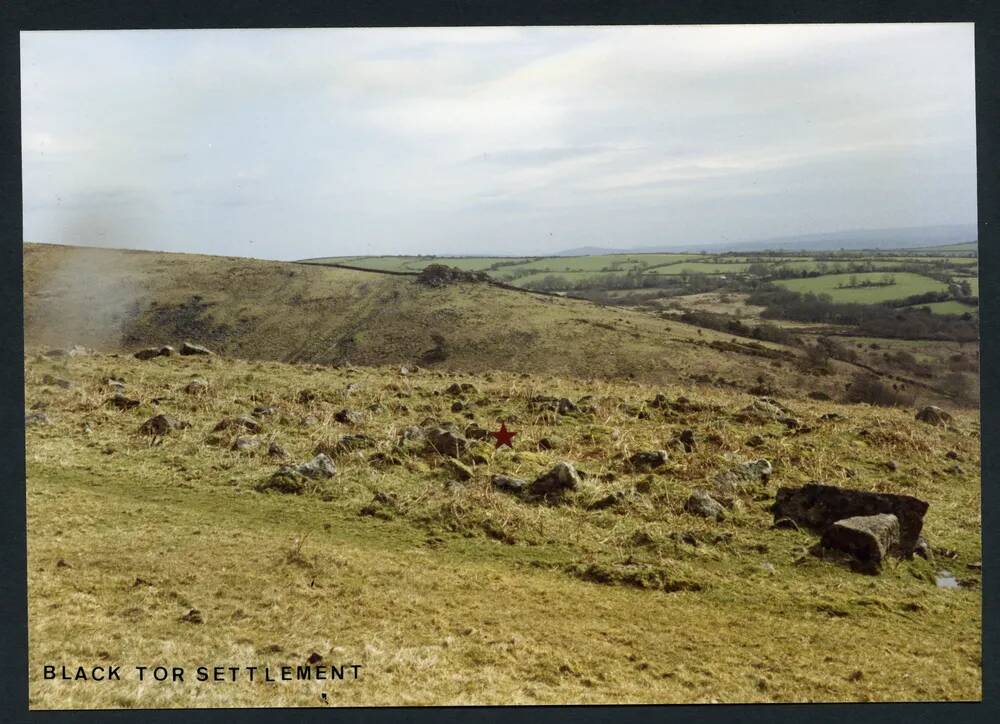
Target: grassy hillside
445,589
113,300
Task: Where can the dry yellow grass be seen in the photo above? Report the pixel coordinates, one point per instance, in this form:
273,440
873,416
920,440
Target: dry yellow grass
434,607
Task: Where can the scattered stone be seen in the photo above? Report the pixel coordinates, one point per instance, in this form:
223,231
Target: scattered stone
743,476
305,396
61,563
310,421
831,416
607,501
702,504
951,455
349,417
755,441
151,352
262,411
818,507
197,386
192,616
461,388
457,406
459,469
648,460
975,566
556,481
508,484
117,385
276,451
314,658
245,443
383,506
320,466
475,432
195,349
445,441
161,424
923,549
36,418
565,406
867,539
892,466
286,480
122,402
686,438
933,415
764,409
244,423
56,382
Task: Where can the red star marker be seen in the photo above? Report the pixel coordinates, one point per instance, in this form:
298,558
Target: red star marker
503,436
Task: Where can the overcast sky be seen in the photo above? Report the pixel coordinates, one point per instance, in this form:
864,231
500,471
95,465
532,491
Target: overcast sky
288,144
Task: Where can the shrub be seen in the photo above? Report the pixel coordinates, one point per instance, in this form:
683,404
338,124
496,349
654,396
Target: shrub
866,387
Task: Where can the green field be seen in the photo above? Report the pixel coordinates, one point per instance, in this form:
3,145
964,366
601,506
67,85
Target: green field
949,307
906,284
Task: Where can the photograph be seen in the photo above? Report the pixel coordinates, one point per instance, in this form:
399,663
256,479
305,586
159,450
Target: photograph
501,365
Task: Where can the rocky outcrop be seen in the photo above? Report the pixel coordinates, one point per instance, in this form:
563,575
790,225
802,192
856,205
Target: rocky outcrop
151,352
818,507
161,425
440,275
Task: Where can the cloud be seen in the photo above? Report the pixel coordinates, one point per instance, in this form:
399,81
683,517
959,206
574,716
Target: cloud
528,140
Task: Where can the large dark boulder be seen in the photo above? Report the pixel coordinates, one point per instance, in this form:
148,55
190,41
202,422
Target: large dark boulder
818,507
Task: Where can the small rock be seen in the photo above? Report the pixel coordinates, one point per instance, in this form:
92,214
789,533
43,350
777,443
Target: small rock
349,417
276,451
951,455
933,415
56,382
559,479
192,616
245,443
508,484
320,466
742,476
305,396
245,423
892,466
151,352
607,501
122,402
755,441
565,406
161,425
648,460
702,504
262,411
36,418
687,440
197,386
445,441
459,469
195,349
475,432
314,658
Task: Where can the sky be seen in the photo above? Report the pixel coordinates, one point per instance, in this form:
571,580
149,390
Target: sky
291,144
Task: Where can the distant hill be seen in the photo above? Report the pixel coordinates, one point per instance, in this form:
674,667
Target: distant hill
115,300
897,238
